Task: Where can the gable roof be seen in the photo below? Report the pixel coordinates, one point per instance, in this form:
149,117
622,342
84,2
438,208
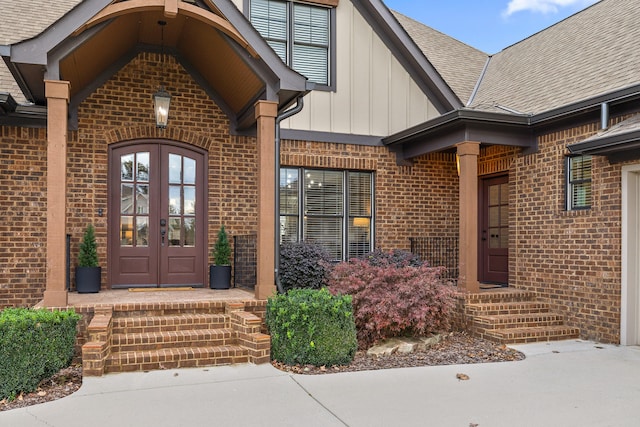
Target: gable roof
445,53
590,53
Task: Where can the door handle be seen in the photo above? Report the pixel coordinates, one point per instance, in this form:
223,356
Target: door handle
163,230
484,235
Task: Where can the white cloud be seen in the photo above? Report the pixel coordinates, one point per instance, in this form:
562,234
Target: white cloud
542,6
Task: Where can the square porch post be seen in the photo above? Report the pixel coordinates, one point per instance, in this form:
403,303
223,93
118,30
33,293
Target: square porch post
57,93
266,112
468,153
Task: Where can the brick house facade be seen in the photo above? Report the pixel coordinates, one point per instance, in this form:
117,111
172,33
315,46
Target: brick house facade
428,170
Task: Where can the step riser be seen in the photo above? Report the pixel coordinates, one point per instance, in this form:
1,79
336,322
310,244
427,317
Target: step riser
499,297
142,325
522,338
145,362
512,311
529,322
124,343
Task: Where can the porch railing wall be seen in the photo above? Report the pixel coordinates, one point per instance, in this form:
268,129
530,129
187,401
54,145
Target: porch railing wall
438,251
245,261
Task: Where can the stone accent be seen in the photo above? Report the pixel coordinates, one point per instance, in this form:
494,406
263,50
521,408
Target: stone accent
403,345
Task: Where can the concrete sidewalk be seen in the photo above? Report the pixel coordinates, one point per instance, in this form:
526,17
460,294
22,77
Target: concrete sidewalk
569,383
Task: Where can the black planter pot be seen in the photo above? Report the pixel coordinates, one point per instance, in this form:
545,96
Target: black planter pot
219,276
88,279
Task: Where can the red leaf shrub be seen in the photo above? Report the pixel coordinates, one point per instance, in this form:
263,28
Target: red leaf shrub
391,300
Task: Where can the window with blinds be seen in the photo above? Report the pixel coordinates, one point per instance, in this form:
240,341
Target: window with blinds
331,208
299,33
579,182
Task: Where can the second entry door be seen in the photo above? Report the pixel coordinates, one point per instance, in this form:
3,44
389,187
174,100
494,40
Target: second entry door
157,235
494,247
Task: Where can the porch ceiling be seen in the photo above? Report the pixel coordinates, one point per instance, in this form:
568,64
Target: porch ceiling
198,46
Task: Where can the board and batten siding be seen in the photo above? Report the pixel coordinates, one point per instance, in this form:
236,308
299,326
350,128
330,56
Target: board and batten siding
375,95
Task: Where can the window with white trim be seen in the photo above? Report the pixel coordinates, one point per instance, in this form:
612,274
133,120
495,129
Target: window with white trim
299,33
329,207
578,173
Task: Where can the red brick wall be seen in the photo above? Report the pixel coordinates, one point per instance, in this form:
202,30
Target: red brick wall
418,200
23,204
570,258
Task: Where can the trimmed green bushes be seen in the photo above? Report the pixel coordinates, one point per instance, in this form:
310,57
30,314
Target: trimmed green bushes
312,327
34,345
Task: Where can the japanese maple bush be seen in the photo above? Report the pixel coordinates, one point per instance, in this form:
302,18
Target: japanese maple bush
393,299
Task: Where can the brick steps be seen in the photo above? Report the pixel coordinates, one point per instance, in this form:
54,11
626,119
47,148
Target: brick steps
141,337
512,316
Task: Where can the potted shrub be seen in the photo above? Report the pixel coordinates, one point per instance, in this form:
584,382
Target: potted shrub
88,271
220,271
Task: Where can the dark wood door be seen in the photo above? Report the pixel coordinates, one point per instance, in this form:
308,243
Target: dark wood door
494,227
157,220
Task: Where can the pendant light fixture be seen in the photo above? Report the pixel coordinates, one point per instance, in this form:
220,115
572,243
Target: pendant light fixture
162,98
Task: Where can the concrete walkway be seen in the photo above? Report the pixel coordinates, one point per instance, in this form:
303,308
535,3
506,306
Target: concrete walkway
569,383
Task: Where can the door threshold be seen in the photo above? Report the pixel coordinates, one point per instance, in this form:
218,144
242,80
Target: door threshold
180,288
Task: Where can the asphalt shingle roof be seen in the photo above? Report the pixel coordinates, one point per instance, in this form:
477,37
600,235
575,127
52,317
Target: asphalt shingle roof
459,64
23,20
590,53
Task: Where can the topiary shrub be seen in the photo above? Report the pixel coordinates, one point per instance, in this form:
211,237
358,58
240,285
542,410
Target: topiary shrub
396,257
309,326
304,265
390,300
221,251
35,345
88,254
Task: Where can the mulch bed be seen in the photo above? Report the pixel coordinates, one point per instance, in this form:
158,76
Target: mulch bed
454,349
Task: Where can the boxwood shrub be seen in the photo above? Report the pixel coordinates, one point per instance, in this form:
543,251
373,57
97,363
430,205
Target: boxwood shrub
35,344
309,326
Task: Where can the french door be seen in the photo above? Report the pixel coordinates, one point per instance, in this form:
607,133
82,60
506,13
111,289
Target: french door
157,216
494,241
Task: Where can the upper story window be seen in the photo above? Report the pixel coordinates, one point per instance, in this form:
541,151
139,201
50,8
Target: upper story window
578,182
299,33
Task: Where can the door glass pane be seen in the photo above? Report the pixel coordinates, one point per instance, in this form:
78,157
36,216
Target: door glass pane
174,231
504,237
142,199
189,200
142,231
142,167
504,194
126,231
126,199
189,231
175,169
174,200
189,175
504,216
126,167
494,195
494,216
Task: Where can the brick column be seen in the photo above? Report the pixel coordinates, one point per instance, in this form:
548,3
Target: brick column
266,113
57,93
468,153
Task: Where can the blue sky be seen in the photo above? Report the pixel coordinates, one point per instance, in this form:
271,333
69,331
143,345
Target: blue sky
488,25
